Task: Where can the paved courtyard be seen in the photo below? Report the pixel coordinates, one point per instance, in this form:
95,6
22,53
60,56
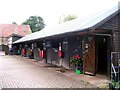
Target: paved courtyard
19,72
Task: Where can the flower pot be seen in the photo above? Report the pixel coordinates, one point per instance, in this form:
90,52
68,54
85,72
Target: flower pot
78,71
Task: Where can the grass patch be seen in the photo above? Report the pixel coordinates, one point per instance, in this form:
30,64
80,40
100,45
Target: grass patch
117,84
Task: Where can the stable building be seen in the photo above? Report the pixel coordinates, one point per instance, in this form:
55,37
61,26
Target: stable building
93,38
10,39
6,33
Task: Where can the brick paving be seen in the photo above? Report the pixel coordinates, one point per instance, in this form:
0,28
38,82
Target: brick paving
19,72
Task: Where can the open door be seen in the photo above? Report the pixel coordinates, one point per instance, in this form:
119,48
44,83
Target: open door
88,45
65,50
55,56
49,55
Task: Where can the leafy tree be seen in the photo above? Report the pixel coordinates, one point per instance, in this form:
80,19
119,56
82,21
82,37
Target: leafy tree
69,17
14,23
66,18
36,23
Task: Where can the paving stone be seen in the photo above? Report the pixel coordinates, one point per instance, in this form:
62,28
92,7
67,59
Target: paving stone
19,72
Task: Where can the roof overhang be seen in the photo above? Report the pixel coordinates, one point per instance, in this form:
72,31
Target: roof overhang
73,27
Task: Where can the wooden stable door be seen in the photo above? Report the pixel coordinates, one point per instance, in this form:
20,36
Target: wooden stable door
55,56
89,55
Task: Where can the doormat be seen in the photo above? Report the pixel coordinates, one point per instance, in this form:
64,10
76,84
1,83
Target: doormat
51,66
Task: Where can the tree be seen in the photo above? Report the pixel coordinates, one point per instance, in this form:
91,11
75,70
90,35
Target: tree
69,17
66,18
36,23
14,23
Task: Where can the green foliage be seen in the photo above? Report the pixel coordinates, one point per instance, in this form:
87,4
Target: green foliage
117,83
36,23
14,23
69,17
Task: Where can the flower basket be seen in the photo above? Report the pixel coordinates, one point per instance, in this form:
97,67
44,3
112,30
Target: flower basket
29,53
78,63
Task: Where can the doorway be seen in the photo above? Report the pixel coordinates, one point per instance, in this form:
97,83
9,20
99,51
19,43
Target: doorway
55,47
101,54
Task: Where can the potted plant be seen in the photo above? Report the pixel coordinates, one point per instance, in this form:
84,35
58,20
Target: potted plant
77,61
29,53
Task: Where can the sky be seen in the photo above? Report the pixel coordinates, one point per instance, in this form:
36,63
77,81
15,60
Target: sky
50,10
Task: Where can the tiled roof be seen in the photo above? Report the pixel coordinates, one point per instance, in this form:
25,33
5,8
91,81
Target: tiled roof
8,29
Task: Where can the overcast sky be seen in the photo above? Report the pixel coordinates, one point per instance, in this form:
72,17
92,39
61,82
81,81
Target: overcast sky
49,10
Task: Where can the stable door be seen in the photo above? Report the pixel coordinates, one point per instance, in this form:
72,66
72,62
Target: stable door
88,45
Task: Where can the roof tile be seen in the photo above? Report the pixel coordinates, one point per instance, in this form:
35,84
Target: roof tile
8,29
